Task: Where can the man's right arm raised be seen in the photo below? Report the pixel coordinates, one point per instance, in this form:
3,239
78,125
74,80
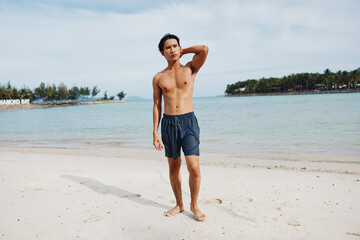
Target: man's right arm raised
157,94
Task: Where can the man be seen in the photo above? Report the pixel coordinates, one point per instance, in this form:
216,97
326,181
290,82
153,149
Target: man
179,127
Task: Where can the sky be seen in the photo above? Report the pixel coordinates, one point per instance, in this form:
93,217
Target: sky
113,44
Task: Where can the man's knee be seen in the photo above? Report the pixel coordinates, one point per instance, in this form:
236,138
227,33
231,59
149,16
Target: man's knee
174,166
174,172
193,167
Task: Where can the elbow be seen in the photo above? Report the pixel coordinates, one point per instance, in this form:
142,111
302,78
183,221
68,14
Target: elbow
205,49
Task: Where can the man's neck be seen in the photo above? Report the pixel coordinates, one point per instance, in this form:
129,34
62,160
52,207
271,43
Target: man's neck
174,65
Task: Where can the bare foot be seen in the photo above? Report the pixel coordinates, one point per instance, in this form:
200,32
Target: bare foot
177,209
197,213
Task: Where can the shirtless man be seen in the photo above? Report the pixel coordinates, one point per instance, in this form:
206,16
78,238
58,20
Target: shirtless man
179,127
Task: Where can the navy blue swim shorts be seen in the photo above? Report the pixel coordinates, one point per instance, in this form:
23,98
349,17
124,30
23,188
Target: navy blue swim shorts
180,131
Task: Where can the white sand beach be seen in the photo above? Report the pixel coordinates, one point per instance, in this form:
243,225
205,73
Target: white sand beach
82,194
55,104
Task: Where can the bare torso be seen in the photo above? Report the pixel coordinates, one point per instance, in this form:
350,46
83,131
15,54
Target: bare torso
175,83
177,86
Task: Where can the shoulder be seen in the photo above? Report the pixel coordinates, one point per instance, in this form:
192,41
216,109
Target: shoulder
157,77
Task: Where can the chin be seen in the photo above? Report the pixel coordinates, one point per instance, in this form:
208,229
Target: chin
173,59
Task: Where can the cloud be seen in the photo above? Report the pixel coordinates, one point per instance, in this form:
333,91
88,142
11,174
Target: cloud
123,6
115,47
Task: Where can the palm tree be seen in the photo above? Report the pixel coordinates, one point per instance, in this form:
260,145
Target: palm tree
41,90
6,92
95,91
121,95
327,72
26,93
51,93
84,91
74,93
62,91
345,78
354,77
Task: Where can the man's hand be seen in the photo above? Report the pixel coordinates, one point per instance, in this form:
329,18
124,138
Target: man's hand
157,142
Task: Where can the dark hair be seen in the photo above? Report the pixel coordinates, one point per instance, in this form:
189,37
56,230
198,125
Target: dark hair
166,37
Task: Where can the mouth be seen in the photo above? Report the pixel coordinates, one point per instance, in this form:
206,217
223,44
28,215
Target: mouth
173,55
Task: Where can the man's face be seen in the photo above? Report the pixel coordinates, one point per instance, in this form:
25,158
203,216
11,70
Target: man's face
171,50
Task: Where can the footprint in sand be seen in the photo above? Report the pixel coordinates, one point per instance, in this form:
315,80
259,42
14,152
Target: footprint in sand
212,201
354,234
293,222
91,219
135,195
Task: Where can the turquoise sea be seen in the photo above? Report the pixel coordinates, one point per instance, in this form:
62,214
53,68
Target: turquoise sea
323,127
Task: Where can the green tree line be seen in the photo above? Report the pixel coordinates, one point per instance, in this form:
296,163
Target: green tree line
51,92
297,82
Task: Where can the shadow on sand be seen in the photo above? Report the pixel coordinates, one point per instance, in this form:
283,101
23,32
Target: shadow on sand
102,188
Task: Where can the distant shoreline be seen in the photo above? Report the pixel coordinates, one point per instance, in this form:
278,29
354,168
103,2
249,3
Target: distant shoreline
54,104
293,93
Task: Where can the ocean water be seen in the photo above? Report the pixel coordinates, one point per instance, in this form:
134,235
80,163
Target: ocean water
322,127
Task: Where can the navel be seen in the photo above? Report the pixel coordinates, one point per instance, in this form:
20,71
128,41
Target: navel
177,106
185,83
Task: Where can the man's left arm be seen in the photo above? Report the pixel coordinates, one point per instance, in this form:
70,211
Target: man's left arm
199,58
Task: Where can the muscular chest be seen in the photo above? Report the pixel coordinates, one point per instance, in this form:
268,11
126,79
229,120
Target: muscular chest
181,79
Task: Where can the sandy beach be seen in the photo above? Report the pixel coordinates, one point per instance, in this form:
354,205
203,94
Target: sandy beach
82,194
54,104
